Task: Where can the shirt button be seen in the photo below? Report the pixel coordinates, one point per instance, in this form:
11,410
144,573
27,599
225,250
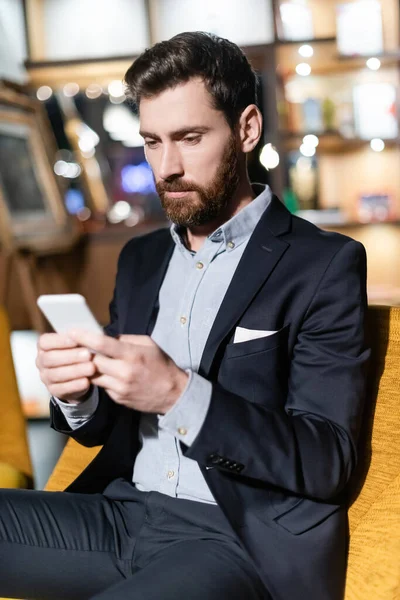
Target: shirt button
199,265
231,244
182,431
183,320
170,474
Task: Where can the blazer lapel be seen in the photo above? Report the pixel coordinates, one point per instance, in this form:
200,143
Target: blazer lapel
147,280
262,254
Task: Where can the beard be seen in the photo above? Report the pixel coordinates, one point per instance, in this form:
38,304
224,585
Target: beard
209,202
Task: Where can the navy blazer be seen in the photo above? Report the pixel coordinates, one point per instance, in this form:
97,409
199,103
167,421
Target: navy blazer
279,442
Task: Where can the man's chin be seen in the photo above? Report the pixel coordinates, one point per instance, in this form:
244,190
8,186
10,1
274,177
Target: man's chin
185,214
181,221
183,218
189,221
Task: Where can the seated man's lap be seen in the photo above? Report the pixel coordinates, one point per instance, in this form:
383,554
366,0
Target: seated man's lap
62,545
56,545
196,569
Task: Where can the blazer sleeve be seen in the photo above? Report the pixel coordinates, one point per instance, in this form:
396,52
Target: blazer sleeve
309,446
95,431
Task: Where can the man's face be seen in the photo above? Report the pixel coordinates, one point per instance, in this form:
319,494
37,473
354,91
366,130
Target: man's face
192,152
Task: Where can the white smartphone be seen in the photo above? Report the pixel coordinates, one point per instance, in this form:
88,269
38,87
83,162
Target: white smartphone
68,311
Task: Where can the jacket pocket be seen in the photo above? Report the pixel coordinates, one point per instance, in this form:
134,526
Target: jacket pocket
305,515
262,344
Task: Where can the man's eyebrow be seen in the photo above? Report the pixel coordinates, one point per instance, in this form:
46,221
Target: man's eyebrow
179,132
148,134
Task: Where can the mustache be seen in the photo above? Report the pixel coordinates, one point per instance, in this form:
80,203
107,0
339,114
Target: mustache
180,185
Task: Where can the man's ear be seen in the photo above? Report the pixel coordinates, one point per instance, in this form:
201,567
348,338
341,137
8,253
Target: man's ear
250,128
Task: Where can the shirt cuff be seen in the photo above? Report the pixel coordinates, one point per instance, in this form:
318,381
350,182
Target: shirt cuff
78,414
186,418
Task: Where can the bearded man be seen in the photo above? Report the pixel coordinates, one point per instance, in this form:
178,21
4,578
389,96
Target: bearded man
227,390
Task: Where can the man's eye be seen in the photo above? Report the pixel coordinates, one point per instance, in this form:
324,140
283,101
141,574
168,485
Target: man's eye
150,143
192,139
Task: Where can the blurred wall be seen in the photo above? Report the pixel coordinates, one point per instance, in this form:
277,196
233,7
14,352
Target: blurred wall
90,269
13,50
103,29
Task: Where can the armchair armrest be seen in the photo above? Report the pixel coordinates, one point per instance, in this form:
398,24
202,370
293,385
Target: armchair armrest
11,477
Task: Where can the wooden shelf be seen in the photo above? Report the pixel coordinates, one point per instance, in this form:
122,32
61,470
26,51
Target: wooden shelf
326,59
338,221
309,42
85,71
347,63
364,57
330,142
352,224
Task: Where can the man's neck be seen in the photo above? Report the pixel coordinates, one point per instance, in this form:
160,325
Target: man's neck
194,237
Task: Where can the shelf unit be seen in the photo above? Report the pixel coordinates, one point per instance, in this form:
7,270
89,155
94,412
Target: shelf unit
345,167
342,159
331,142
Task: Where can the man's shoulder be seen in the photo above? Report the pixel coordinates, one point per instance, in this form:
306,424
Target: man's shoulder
307,234
147,242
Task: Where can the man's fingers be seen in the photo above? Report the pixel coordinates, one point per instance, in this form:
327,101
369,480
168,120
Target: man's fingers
119,369
116,386
70,373
110,366
55,341
137,340
70,388
103,344
60,358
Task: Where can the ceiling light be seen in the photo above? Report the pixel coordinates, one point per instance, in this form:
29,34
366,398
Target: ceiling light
307,150
44,93
311,140
374,64
71,89
303,69
377,145
269,157
306,51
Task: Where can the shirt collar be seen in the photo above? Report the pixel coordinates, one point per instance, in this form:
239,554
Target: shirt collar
240,227
176,233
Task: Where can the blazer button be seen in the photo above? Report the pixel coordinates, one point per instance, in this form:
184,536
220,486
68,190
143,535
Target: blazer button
215,459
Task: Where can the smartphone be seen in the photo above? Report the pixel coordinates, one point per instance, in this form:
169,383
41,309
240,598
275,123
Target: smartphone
68,311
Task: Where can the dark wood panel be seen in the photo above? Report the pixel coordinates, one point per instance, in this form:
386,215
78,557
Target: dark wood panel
88,269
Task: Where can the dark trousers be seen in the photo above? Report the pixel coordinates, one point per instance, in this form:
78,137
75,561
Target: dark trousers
122,544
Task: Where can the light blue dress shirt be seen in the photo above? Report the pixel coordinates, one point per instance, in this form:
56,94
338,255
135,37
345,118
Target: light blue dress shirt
189,298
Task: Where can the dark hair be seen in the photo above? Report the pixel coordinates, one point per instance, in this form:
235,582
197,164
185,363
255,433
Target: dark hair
225,70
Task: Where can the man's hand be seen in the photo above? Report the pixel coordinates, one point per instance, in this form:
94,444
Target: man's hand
134,371
64,367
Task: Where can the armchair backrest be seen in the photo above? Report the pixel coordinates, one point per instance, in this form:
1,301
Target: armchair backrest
14,450
374,516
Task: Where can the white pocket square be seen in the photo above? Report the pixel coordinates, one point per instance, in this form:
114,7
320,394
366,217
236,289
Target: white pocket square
244,335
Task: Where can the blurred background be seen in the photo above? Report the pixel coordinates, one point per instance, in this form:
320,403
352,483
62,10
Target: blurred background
74,182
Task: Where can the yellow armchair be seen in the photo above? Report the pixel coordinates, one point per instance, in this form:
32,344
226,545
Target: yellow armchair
374,554
15,464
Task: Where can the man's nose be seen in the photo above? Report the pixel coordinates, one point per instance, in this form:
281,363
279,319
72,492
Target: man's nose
171,163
